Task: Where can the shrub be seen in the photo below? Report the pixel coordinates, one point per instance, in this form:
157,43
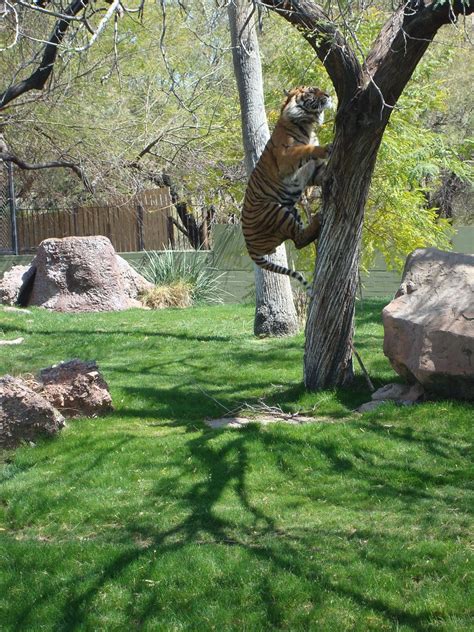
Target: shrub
177,294
180,274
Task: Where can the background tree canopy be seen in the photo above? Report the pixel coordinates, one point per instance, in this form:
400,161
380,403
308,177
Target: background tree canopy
156,94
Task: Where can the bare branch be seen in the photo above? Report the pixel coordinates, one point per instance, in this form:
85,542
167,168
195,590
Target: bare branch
114,7
17,27
40,9
27,166
179,227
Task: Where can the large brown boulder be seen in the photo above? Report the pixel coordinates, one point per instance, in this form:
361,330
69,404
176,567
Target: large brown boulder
24,414
134,284
429,326
84,274
76,388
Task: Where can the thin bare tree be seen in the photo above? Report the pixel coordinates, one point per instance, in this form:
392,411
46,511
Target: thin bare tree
275,313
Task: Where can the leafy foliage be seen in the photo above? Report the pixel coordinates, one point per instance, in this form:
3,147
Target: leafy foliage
172,82
182,273
414,154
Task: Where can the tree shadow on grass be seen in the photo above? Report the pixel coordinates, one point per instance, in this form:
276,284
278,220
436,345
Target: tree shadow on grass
22,328
226,458
224,461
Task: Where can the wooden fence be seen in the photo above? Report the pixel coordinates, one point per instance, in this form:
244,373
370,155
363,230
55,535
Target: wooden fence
131,224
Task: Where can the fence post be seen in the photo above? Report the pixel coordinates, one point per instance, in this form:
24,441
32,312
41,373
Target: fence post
74,218
12,204
140,236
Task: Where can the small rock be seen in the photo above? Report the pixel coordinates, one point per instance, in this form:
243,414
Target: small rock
369,406
14,283
76,388
15,341
400,392
24,414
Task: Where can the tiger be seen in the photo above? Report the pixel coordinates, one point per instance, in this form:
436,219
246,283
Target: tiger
290,162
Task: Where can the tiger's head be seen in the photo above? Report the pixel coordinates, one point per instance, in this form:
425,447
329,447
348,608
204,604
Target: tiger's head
306,104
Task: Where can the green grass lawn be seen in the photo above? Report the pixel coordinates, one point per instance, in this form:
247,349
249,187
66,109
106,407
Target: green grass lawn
148,520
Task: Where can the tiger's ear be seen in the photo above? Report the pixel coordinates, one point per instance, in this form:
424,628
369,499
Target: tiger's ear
286,92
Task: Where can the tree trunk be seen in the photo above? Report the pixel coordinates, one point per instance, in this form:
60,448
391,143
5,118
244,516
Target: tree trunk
367,94
275,313
330,323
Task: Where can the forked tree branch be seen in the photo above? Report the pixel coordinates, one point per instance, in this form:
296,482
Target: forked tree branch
403,41
38,79
394,56
330,45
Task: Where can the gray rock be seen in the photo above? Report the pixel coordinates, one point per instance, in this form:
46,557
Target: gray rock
370,406
76,388
400,393
24,414
429,326
14,283
83,274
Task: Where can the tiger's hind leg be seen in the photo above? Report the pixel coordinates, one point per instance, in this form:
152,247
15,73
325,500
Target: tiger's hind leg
303,236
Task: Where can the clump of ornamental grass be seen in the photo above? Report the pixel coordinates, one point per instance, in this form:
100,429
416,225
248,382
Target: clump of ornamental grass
178,270
177,294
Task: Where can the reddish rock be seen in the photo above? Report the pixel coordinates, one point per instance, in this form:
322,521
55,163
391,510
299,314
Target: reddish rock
133,283
84,274
429,326
24,414
76,388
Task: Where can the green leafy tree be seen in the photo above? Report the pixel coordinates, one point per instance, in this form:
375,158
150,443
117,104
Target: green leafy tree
414,153
369,83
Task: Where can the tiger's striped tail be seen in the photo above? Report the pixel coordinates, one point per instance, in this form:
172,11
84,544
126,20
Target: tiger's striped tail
263,262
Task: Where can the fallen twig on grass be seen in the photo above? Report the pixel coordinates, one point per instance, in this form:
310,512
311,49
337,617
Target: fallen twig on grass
16,341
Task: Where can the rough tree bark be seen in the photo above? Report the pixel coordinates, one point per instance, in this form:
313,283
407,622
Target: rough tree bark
275,313
366,94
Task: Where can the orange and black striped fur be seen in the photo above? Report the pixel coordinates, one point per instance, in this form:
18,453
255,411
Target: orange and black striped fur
290,162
